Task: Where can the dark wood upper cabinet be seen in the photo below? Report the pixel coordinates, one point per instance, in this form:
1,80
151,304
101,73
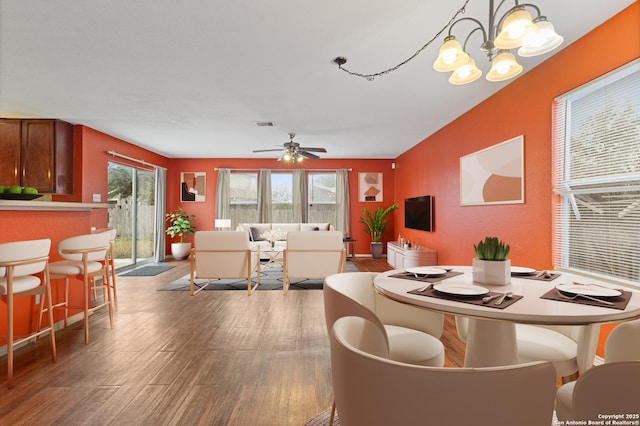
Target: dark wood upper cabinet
39,153
10,152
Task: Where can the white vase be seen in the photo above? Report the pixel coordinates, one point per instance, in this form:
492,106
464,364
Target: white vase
491,272
180,251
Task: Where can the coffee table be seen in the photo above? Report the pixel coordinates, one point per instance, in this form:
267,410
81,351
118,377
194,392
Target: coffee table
274,256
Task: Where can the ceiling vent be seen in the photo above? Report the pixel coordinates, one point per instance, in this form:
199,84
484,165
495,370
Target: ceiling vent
265,123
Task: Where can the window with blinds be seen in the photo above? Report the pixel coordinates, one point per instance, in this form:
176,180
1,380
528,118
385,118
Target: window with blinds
597,177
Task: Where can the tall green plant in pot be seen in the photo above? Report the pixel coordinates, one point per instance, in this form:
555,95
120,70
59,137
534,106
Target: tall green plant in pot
374,225
491,265
178,225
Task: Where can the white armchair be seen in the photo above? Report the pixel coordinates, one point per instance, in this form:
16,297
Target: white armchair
312,254
218,255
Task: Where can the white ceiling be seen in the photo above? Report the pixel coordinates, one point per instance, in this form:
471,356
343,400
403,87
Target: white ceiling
190,78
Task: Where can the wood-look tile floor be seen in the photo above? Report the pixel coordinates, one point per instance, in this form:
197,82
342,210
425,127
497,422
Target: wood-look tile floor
219,358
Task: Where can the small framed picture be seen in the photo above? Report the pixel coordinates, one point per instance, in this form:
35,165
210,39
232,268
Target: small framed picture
370,186
193,186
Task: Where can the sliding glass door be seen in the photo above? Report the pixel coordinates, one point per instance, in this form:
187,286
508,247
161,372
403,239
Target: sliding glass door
132,212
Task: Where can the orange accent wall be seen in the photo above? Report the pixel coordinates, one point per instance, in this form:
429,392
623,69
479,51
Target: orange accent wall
521,108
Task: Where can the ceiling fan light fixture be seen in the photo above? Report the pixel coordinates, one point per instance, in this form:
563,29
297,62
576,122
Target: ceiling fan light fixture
293,152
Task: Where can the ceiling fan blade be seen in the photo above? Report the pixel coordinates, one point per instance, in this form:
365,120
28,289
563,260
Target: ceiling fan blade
313,149
267,150
308,155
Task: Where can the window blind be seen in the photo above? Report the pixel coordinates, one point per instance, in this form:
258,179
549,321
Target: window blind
596,162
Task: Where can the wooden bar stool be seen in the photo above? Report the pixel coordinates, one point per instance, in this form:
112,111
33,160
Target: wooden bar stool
19,262
85,258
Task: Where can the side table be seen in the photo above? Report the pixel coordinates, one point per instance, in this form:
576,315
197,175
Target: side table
348,244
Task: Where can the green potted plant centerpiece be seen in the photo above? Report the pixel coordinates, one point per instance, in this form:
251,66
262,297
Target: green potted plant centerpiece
374,226
491,265
178,225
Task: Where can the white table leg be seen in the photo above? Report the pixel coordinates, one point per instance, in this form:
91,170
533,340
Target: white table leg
491,343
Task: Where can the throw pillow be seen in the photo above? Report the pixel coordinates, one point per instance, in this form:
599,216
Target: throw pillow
255,234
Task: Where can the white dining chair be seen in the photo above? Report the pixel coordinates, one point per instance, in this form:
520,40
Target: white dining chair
21,264
371,389
411,334
622,344
607,388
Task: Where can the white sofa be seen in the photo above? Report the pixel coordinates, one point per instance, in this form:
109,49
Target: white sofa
256,230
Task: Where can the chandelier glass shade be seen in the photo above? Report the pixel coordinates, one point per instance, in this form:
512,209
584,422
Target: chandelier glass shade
466,73
450,56
504,66
514,29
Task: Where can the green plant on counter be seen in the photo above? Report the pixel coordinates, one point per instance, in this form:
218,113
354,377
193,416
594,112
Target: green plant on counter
179,223
491,249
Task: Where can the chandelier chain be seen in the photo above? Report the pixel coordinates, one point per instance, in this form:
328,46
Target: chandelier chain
371,77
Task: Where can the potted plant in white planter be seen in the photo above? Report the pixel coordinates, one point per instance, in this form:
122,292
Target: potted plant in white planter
179,224
374,226
491,265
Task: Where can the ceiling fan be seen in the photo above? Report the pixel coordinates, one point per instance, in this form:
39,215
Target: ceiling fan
293,152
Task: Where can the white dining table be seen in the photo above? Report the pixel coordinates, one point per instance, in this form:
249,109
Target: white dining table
491,337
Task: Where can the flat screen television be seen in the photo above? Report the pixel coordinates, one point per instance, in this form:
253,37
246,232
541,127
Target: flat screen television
418,213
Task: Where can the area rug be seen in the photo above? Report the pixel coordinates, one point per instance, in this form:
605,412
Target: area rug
270,279
146,271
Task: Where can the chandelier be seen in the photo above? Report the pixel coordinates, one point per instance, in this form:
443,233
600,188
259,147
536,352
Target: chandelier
515,28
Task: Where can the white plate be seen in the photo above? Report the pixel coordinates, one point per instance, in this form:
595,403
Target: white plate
427,270
588,290
519,270
461,289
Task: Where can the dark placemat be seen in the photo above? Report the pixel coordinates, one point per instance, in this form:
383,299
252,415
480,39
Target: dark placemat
619,302
410,276
473,300
537,276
